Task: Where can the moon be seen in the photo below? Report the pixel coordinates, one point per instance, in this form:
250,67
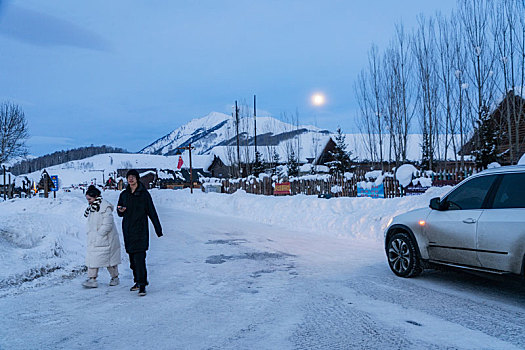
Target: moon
318,99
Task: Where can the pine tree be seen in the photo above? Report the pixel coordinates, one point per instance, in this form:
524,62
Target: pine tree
293,165
342,158
487,145
275,159
258,166
425,150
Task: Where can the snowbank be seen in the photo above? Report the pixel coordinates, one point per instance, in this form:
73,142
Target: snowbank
422,181
362,218
41,236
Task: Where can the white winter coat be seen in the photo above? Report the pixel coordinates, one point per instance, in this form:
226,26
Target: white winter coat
103,245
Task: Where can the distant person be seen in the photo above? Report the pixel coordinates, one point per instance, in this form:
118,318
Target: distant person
135,206
103,245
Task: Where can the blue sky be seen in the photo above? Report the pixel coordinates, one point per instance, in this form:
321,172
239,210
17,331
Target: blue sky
124,73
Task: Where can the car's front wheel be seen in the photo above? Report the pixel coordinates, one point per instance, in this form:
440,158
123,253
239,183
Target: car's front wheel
403,257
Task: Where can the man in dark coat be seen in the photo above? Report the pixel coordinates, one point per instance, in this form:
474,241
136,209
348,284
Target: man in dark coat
135,206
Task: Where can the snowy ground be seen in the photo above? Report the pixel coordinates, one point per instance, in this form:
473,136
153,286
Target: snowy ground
243,272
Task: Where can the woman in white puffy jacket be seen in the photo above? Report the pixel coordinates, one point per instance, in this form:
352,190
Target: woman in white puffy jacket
103,245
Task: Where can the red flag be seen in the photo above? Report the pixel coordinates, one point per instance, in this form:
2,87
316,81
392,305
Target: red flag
179,165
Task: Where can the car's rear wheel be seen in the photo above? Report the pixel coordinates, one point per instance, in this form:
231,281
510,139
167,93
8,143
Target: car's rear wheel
402,255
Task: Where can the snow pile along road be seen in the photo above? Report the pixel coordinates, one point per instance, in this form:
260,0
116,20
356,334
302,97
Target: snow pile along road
363,218
41,237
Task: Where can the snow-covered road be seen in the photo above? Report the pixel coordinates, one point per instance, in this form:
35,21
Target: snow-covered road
224,282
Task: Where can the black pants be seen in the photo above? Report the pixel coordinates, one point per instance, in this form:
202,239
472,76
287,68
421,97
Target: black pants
137,262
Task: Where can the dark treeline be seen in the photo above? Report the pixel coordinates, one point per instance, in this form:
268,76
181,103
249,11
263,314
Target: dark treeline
28,166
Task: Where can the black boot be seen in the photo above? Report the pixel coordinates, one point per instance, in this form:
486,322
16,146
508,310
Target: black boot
142,290
134,288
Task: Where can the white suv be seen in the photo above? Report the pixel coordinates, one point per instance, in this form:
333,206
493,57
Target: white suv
478,225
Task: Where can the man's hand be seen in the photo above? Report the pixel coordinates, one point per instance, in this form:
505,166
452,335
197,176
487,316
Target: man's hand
121,209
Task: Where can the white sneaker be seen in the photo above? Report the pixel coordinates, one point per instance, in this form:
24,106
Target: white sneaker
114,281
90,283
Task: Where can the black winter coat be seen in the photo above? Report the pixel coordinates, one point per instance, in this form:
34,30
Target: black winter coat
139,206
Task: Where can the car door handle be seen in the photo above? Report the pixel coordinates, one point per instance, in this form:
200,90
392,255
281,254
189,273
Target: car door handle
469,221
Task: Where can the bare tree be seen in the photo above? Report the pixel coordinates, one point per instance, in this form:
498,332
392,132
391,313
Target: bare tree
448,75
375,99
406,98
390,102
509,35
13,132
298,136
461,87
474,15
446,52
231,155
369,91
425,55
519,34
366,119
246,127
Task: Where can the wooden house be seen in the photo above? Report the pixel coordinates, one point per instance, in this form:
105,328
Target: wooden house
508,120
325,156
148,176
178,179
218,168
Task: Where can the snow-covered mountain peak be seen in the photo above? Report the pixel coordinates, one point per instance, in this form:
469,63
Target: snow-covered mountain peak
219,129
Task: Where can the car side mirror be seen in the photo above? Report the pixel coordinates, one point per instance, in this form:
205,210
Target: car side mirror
435,203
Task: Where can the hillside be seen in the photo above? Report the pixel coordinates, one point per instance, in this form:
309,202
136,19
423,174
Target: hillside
98,168
31,164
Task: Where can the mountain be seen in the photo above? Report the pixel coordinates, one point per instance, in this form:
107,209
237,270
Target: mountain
215,134
218,129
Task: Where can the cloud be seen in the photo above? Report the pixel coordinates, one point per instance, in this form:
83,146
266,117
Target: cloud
41,29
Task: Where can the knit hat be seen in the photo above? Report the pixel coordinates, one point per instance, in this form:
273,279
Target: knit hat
133,172
92,191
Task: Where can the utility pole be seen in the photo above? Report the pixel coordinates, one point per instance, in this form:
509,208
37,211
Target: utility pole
237,130
103,177
255,123
189,148
3,166
46,184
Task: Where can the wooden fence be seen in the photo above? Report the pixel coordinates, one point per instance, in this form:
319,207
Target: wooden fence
340,186
334,186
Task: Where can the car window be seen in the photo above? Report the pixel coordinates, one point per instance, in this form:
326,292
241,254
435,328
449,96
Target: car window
470,195
511,192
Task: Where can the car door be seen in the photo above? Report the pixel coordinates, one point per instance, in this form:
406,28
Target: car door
452,231
501,227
